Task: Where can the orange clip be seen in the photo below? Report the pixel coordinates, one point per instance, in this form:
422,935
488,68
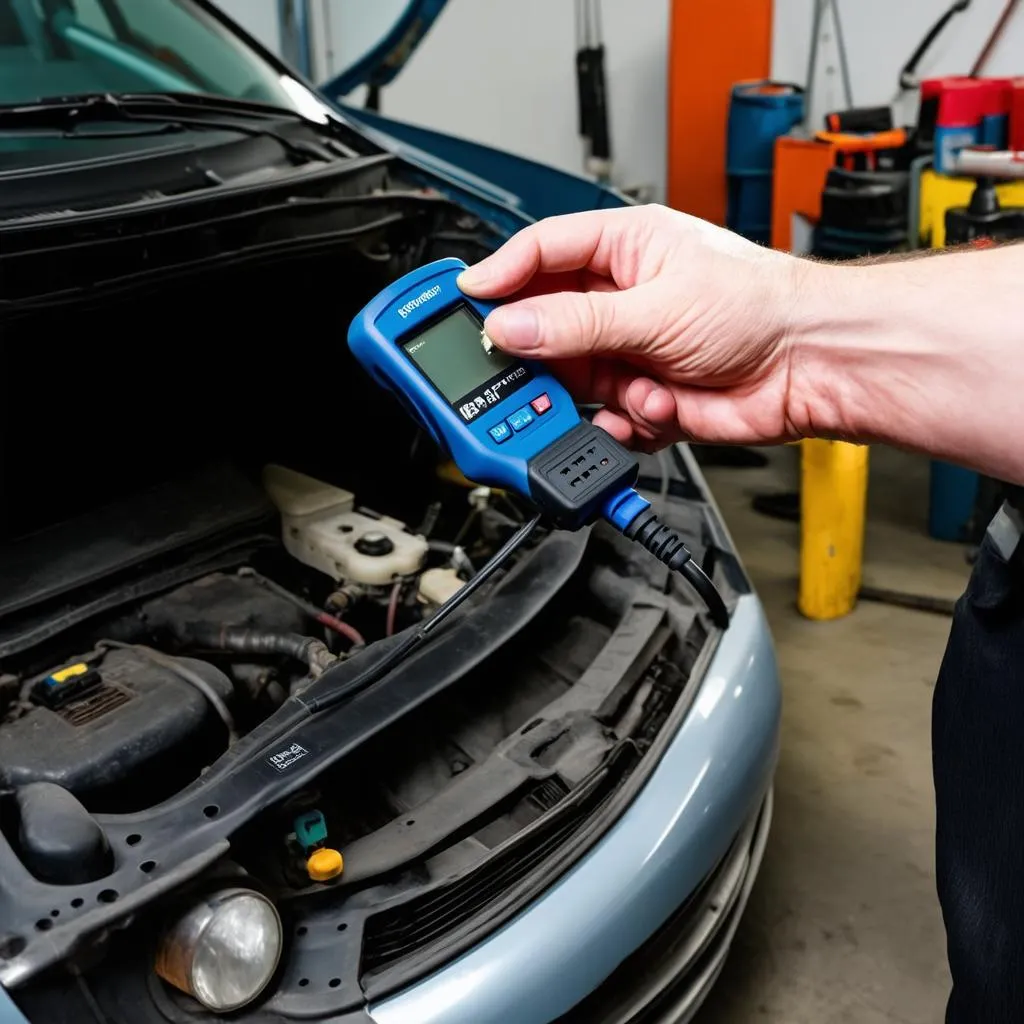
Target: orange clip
871,143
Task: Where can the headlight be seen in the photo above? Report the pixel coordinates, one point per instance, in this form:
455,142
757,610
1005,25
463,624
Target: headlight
224,950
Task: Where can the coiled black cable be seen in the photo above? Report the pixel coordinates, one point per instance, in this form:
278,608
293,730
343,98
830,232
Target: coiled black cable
667,546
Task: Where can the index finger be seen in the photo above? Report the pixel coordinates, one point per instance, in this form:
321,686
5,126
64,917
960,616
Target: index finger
555,245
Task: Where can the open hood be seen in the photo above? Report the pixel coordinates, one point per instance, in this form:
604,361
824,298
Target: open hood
391,42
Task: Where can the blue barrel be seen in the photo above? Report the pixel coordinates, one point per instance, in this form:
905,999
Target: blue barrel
953,492
995,131
749,206
759,113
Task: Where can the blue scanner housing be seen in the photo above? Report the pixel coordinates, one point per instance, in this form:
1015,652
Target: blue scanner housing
515,427
506,422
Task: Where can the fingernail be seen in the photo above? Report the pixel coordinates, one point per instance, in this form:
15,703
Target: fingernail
654,404
472,277
514,327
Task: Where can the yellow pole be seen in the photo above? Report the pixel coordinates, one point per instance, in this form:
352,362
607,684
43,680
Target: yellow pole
833,496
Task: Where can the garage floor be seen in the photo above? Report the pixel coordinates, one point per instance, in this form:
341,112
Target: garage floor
844,925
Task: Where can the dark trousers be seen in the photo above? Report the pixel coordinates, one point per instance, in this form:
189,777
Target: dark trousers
978,756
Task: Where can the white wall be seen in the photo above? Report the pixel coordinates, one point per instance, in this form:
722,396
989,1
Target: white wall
353,26
502,71
880,37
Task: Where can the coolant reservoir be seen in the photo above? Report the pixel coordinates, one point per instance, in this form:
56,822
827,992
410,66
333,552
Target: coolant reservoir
322,529
439,585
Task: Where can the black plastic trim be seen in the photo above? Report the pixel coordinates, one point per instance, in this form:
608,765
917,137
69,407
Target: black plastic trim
572,479
239,786
573,847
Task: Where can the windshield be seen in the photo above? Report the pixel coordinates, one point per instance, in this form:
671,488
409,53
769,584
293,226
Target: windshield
51,48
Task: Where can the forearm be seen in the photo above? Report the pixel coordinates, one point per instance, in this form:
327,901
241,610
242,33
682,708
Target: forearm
923,354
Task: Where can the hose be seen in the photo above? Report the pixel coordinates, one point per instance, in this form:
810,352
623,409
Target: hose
310,651
456,555
430,518
341,627
331,622
396,593
908,76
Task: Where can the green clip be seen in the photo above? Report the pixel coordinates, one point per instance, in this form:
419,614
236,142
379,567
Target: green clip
311,830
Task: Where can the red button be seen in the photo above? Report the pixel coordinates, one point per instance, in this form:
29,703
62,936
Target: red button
541,405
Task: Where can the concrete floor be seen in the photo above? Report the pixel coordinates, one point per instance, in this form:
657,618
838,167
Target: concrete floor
844,925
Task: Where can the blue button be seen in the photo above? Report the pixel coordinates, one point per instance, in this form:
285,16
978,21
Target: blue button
500,433
520,419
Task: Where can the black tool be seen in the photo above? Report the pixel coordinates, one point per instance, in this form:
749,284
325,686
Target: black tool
984,219
591,88
860,119
908,76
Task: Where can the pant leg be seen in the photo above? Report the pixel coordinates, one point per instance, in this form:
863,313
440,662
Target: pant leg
978,758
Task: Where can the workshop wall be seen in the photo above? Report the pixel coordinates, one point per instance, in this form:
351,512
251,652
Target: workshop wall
880,36
502,73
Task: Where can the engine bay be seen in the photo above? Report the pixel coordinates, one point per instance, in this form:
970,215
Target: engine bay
219,424
173,704
211,516
167,686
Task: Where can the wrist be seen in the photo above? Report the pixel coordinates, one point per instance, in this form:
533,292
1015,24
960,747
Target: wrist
919,353
815,296
867,347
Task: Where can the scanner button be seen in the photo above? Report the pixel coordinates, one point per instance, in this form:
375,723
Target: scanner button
500,432
520,419
541,405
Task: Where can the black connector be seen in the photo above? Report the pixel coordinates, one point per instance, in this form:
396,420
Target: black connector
570,481
587,474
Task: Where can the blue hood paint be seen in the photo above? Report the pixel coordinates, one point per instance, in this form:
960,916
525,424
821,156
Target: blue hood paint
383,62
526,189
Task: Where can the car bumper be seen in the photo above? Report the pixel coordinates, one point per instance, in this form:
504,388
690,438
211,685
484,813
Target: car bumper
701,804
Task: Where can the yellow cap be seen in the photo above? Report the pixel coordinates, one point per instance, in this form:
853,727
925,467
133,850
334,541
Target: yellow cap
324,864
64,674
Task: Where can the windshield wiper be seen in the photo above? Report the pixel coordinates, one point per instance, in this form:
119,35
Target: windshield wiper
168,112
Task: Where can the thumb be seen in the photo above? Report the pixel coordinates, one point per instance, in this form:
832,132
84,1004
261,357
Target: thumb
566,324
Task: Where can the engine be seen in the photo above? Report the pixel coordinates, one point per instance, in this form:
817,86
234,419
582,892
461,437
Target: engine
163,685
113,726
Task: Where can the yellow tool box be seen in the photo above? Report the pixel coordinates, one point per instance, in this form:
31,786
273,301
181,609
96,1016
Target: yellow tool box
940,193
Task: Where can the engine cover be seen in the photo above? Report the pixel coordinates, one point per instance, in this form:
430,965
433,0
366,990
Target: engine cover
129,740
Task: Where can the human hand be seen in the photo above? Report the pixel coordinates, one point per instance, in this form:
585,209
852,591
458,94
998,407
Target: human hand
678,328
